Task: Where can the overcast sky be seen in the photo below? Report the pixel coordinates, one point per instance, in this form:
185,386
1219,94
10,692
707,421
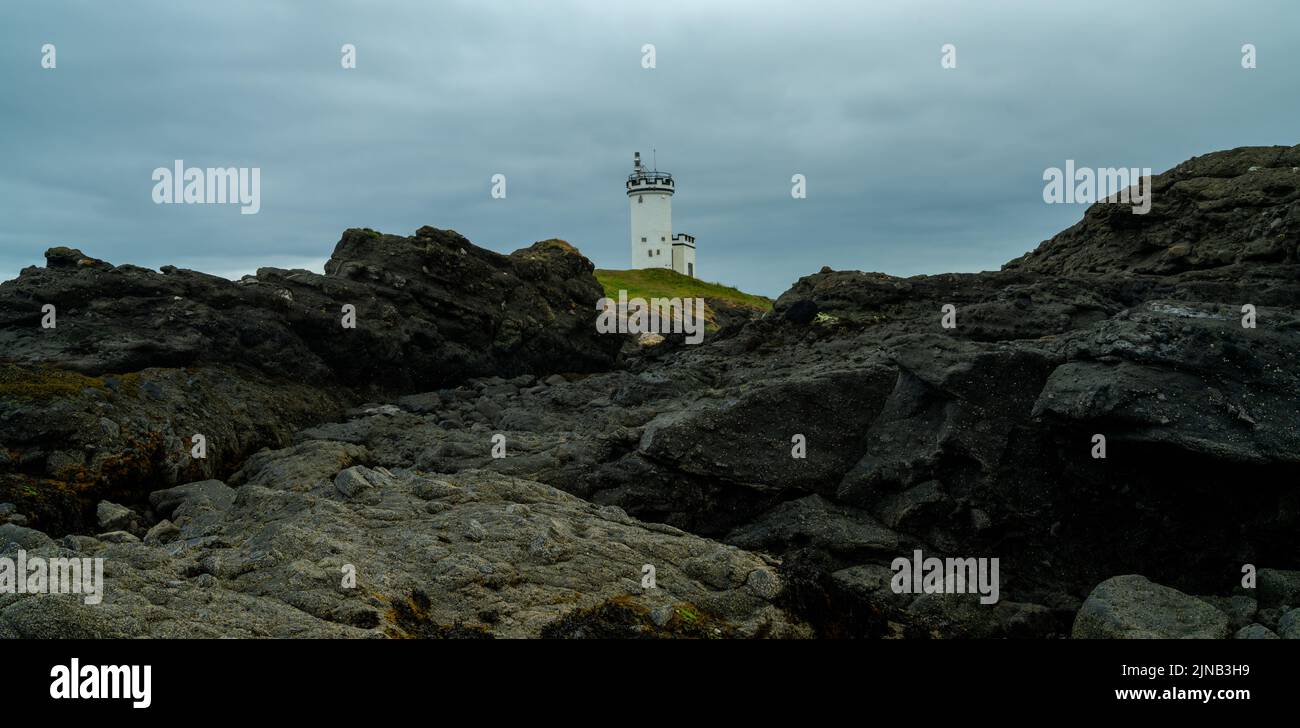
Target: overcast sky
911,168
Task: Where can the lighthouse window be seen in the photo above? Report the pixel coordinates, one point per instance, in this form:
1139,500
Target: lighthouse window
640,199
643,240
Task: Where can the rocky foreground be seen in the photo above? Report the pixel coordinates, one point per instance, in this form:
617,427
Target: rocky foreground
474,460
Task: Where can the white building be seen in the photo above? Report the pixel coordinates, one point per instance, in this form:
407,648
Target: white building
654,245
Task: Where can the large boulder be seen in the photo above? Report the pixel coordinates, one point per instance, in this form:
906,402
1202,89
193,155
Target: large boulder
1132,607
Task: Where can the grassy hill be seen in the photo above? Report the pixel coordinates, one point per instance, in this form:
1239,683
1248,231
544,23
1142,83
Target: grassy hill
722,304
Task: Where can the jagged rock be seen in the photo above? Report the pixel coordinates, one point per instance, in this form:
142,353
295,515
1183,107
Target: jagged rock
1208,212
1131,607
431,308
141,361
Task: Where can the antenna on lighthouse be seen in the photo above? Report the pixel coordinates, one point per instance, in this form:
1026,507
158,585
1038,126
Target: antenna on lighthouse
655,152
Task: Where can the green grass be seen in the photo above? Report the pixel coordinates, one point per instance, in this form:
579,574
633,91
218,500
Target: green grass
663,283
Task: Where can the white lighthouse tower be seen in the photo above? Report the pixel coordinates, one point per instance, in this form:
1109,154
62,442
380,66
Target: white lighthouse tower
654,245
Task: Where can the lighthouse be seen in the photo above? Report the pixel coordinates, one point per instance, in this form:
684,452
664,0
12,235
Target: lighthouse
650,194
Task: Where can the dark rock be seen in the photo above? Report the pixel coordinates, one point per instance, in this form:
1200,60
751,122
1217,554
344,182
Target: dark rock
817,521
1208,212
968,441
800,312
430,309
1278,587
141,361
1288,627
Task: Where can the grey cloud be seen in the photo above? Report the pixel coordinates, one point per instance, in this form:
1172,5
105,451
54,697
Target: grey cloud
911,169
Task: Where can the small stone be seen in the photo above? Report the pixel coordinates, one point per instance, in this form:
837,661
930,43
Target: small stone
118,537
352,481
1288,627
113,517
383,409
763,584
475,531
715,568
25,538
661,615
1255,631
163,532
433,489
